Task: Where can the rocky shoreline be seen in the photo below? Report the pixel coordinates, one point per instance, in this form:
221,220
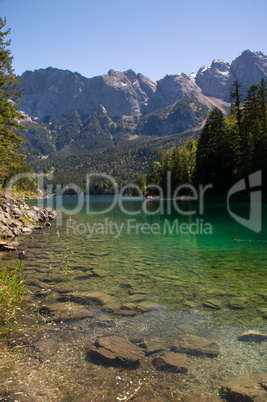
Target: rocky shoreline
18,219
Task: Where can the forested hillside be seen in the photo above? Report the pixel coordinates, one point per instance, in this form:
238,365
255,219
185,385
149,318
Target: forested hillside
228,149
72,146
125,163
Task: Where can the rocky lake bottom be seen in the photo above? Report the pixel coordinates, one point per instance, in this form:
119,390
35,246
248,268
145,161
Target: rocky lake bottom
90,297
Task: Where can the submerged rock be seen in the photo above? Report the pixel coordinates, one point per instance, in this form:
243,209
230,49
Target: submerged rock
116,350
135,298
105,321
262,311
252,336
198,398
216,292
170,361
190,304
65,311
146,306
138,292
125,312
149,399
95,394
214,304
46,349
238,303
128,306
248,387
263,295
151,346
91,298
101,273
196,346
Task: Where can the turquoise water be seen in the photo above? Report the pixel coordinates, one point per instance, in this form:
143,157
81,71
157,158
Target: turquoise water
154,274
173,258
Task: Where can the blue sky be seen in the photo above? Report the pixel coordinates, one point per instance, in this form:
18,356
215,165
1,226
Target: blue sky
152,37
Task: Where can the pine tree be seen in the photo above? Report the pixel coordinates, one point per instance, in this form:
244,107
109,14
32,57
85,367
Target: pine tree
236,101
253,146
187,161
259,132
250,130
262,95
211,152
262,99
10,159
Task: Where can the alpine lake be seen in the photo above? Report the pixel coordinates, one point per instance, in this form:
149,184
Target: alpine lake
140,270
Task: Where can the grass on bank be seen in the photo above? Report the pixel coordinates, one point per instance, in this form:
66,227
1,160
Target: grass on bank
12,292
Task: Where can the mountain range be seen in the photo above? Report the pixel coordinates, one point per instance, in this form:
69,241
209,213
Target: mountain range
68,115
51,93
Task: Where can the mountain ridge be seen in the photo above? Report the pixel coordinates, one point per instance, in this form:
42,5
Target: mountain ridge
51,92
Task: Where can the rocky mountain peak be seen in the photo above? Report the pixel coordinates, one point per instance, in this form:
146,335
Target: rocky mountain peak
220,66
119,75
249,68
250,54
130,74
215,80
171,89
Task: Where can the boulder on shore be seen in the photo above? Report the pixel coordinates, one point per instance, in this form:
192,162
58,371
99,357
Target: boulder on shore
17,219
8,246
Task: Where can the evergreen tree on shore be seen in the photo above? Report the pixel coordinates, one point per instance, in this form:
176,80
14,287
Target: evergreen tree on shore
11,161
211,151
